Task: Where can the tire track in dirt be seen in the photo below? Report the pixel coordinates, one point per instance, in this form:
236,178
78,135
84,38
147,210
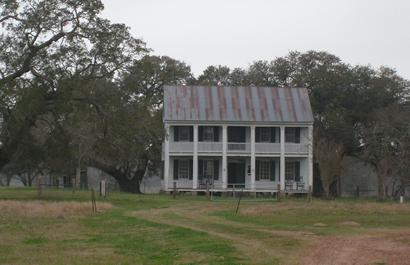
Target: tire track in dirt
252,247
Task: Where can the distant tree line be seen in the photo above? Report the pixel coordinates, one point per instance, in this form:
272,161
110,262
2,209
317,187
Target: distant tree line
77,90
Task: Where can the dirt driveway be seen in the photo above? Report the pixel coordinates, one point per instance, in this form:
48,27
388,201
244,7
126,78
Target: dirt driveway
263,245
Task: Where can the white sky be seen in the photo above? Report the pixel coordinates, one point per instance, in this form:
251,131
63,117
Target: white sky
238,32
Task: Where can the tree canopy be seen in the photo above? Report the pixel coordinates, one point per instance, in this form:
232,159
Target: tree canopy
77,90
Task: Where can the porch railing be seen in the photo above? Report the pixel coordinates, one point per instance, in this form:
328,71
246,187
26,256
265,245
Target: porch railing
209,147
292,148
239,147
267,147
179,147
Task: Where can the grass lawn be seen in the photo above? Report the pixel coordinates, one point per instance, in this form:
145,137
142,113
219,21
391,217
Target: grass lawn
59,228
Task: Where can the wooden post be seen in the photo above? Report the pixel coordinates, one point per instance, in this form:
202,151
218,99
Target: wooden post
102,188
357,191
278,193
174,192
39,186
310,194
239,202
94,204
207,188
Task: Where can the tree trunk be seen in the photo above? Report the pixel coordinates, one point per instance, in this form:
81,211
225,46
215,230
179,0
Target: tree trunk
129,185
329,154
383,170
29,178
127,182
380,187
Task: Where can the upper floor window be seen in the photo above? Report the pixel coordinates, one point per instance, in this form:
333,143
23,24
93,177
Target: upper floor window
265,135
208,134
292,135
183,133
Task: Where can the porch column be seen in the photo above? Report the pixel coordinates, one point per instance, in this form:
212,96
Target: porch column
195,159
310,156
224,156
166,157
282,157
253,159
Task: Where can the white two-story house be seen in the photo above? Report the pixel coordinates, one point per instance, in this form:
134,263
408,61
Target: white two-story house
258,139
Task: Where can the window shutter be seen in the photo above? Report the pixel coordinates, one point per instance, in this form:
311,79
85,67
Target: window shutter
200,133
257,134
175,169
297,135
257,169
272,170
191,173
176,134
191,133
216,169
200,169
272,134
297,171
216,133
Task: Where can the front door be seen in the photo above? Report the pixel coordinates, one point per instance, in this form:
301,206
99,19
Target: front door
236,174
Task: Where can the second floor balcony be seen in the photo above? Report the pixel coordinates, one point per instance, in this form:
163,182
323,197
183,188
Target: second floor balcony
209,140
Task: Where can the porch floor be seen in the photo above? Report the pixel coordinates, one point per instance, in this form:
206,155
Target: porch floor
242,190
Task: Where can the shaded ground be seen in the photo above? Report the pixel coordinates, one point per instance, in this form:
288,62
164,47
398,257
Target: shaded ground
59,228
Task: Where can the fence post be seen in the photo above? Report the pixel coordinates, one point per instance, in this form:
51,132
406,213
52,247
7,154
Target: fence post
174,192
239,202
102,188
207,188
278,193
94,204
357,191
310,193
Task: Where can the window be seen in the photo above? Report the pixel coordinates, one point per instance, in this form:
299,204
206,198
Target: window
183,133
208,168
265,134
264,169
208,134
292,135
290,170
183,169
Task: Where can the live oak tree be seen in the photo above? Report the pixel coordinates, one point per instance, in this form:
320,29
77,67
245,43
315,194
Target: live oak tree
386,146
342,98
52,51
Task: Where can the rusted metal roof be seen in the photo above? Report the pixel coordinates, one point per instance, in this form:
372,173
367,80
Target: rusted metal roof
237,104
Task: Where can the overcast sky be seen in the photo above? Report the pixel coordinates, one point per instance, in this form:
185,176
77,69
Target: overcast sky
237,32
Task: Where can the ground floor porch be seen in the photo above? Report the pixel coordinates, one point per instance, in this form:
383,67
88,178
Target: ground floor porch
232,174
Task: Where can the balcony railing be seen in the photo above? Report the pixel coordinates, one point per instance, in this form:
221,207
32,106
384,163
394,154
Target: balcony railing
181,147
293,148
267,148
239,147
260,148
209,147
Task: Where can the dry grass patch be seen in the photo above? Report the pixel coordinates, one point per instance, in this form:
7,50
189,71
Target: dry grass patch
27,209
326,206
